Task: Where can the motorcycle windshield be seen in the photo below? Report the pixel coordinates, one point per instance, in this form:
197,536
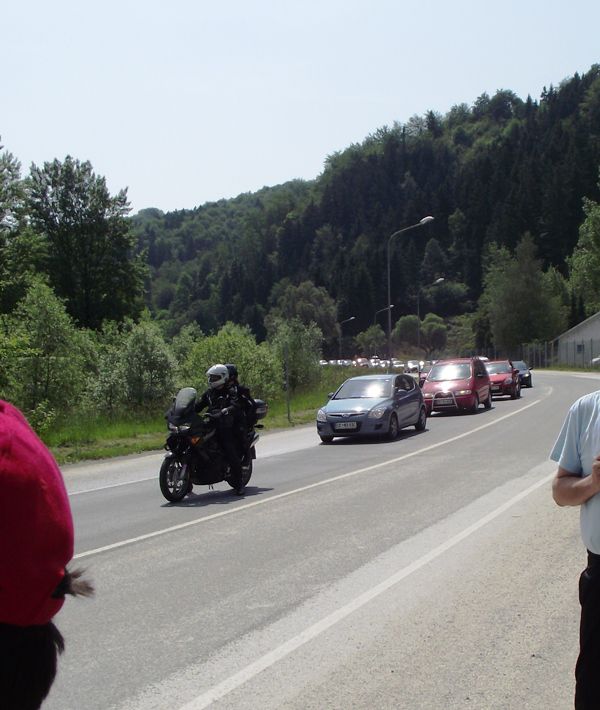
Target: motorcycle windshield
183,407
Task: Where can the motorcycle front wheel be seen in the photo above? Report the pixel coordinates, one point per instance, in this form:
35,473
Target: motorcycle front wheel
174,480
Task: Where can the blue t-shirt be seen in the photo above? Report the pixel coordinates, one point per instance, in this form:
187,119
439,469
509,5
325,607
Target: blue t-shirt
577,446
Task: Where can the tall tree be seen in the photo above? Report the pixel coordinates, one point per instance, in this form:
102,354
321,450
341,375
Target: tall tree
519,299
584,264
91,260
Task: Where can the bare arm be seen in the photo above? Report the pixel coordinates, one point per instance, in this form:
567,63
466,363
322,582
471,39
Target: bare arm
571,489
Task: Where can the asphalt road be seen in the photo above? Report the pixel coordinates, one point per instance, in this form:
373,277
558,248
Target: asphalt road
432,572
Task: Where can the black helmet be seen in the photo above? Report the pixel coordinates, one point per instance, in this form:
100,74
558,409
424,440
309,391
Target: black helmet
232,369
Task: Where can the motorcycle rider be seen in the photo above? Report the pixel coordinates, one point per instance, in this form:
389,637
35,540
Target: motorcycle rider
221,398
248,405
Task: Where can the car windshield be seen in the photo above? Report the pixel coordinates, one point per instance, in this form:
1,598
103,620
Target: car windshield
520,365
497,368
357,389
449,371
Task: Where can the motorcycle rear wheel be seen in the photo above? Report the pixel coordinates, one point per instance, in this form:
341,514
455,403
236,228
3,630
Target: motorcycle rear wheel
174,483
246,474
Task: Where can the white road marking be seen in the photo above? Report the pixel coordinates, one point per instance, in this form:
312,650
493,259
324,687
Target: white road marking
270,499
277,654
112,485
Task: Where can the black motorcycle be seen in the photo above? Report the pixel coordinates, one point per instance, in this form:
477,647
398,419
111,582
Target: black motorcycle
194,455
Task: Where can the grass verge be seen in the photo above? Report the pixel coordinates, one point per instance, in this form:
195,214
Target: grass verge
89,438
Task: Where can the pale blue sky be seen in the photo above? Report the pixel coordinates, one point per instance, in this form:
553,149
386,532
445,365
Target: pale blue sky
185,102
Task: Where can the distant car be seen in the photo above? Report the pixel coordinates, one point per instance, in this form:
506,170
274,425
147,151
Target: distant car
323,362
461,383
412,366
595,362
524,373
360,362
504,378
424,371
372,405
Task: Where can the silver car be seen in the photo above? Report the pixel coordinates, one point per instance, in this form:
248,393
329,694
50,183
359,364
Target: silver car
372,405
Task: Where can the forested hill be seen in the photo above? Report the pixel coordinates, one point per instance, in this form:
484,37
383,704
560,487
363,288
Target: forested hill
488,173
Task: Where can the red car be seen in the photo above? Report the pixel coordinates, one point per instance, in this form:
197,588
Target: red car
504,378
461,383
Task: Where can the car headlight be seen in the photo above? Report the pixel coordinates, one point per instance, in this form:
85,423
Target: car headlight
321,416
508,381
464,392
377,412
427,395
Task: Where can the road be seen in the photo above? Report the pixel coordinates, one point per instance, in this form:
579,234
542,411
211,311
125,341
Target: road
432,572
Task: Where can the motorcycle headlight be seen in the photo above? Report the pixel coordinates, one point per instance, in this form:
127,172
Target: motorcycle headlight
184,427
376,412
172,427
321,416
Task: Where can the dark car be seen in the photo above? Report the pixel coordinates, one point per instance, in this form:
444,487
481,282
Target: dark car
372,405
504,378
524,372
461,383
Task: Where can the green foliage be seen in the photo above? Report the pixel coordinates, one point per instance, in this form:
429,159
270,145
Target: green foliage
584,264
371,341
90,248
461,335
11,191
308,304
298,349
518,299
258,366
49,370
406,331
148,367
430,335
434,334
184,341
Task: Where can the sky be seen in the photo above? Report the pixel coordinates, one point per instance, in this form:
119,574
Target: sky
184,102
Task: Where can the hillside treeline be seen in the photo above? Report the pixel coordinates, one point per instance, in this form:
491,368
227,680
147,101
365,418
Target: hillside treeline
101,311
489,173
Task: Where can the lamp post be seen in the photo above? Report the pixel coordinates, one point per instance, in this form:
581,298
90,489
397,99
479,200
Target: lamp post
434,283
341,324
421,223
381,311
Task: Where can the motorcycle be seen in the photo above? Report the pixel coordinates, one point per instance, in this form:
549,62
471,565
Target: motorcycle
194,456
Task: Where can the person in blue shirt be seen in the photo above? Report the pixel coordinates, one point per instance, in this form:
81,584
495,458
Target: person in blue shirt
577,482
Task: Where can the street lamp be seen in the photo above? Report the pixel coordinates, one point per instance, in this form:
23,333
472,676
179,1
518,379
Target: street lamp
341,324
381,311
434,283
421,223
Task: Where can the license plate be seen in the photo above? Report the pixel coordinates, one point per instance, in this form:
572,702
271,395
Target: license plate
444,400
495,388
346,425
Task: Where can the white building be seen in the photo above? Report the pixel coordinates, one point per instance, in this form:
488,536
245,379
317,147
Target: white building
580,344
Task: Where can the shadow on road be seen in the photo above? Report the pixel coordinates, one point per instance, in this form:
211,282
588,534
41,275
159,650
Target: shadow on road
221,496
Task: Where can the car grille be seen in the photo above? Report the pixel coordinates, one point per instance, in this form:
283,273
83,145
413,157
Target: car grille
441,400
344,422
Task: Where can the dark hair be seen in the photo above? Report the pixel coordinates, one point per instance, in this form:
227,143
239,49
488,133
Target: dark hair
29,654
232,369
28,657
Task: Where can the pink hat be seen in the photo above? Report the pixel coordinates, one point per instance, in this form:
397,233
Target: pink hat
36,527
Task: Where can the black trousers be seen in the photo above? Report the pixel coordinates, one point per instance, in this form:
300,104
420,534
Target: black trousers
229,445
587,670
